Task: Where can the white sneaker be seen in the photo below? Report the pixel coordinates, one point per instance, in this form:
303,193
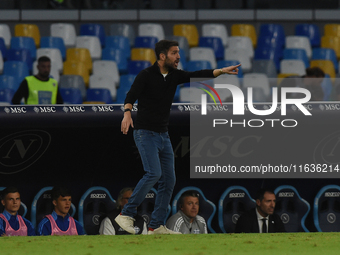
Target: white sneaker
163,230
126,223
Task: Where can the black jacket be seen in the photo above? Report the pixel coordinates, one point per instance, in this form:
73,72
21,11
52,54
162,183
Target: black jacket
155,94
248,223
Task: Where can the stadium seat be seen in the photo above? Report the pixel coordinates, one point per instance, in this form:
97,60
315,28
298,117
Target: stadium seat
23,55
270,42
66,31
91,43
20,42
5,33
299,42
42,206
234,201
17,69
215,43
196,65
30,30
146,42
3,48
257,80
143,54
332,30
107,67
182,43
119,42
216,30
98,95
225,63
245,30
265,66
273,30
268,53
241,42
54,73
311,31
80,55
326,210
102,81
297,54
6,96
71,95
293,66
7,82
326,65
183,60
77,68
327,87
94,203
55,56
73,81
325,54
151,29
190,95
123,29
94,30
54,42
126,81
239,55
1,62
116,55
207,209
135,66
291,208
205,54
331,42
189,31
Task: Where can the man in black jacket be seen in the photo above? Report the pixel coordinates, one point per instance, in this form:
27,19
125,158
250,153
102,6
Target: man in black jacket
154,88
262,218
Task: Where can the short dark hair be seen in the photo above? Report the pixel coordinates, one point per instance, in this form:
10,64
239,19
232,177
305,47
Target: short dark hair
43,59
8,190
60,191
188,193
120,195
260,193
163,46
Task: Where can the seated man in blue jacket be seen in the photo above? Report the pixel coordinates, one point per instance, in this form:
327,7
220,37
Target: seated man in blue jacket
60,222
11,223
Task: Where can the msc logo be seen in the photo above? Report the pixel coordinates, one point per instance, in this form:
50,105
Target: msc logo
45,109
150,195
286,194
98,195
102,108
332,194
235,195
20,150
15,110
74,109
190,108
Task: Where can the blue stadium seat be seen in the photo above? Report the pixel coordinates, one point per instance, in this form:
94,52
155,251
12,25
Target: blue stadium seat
234,201
22,42
273,30
225,63
135,66
54,42
3,48
272,43
99,95
23,55
195,65
17,69
145,42
213,42
7,82
269,53
120,42
327,87
95,30
118,56
6,95
207,208
94,203
183,58
265,66
22,210
326,210
299,54
71,95
126,81
325,54
42,205
291,208
311,31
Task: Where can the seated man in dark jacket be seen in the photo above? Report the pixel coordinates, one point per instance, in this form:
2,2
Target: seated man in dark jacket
262,218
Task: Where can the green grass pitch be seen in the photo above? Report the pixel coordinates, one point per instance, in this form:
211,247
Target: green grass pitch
273,244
